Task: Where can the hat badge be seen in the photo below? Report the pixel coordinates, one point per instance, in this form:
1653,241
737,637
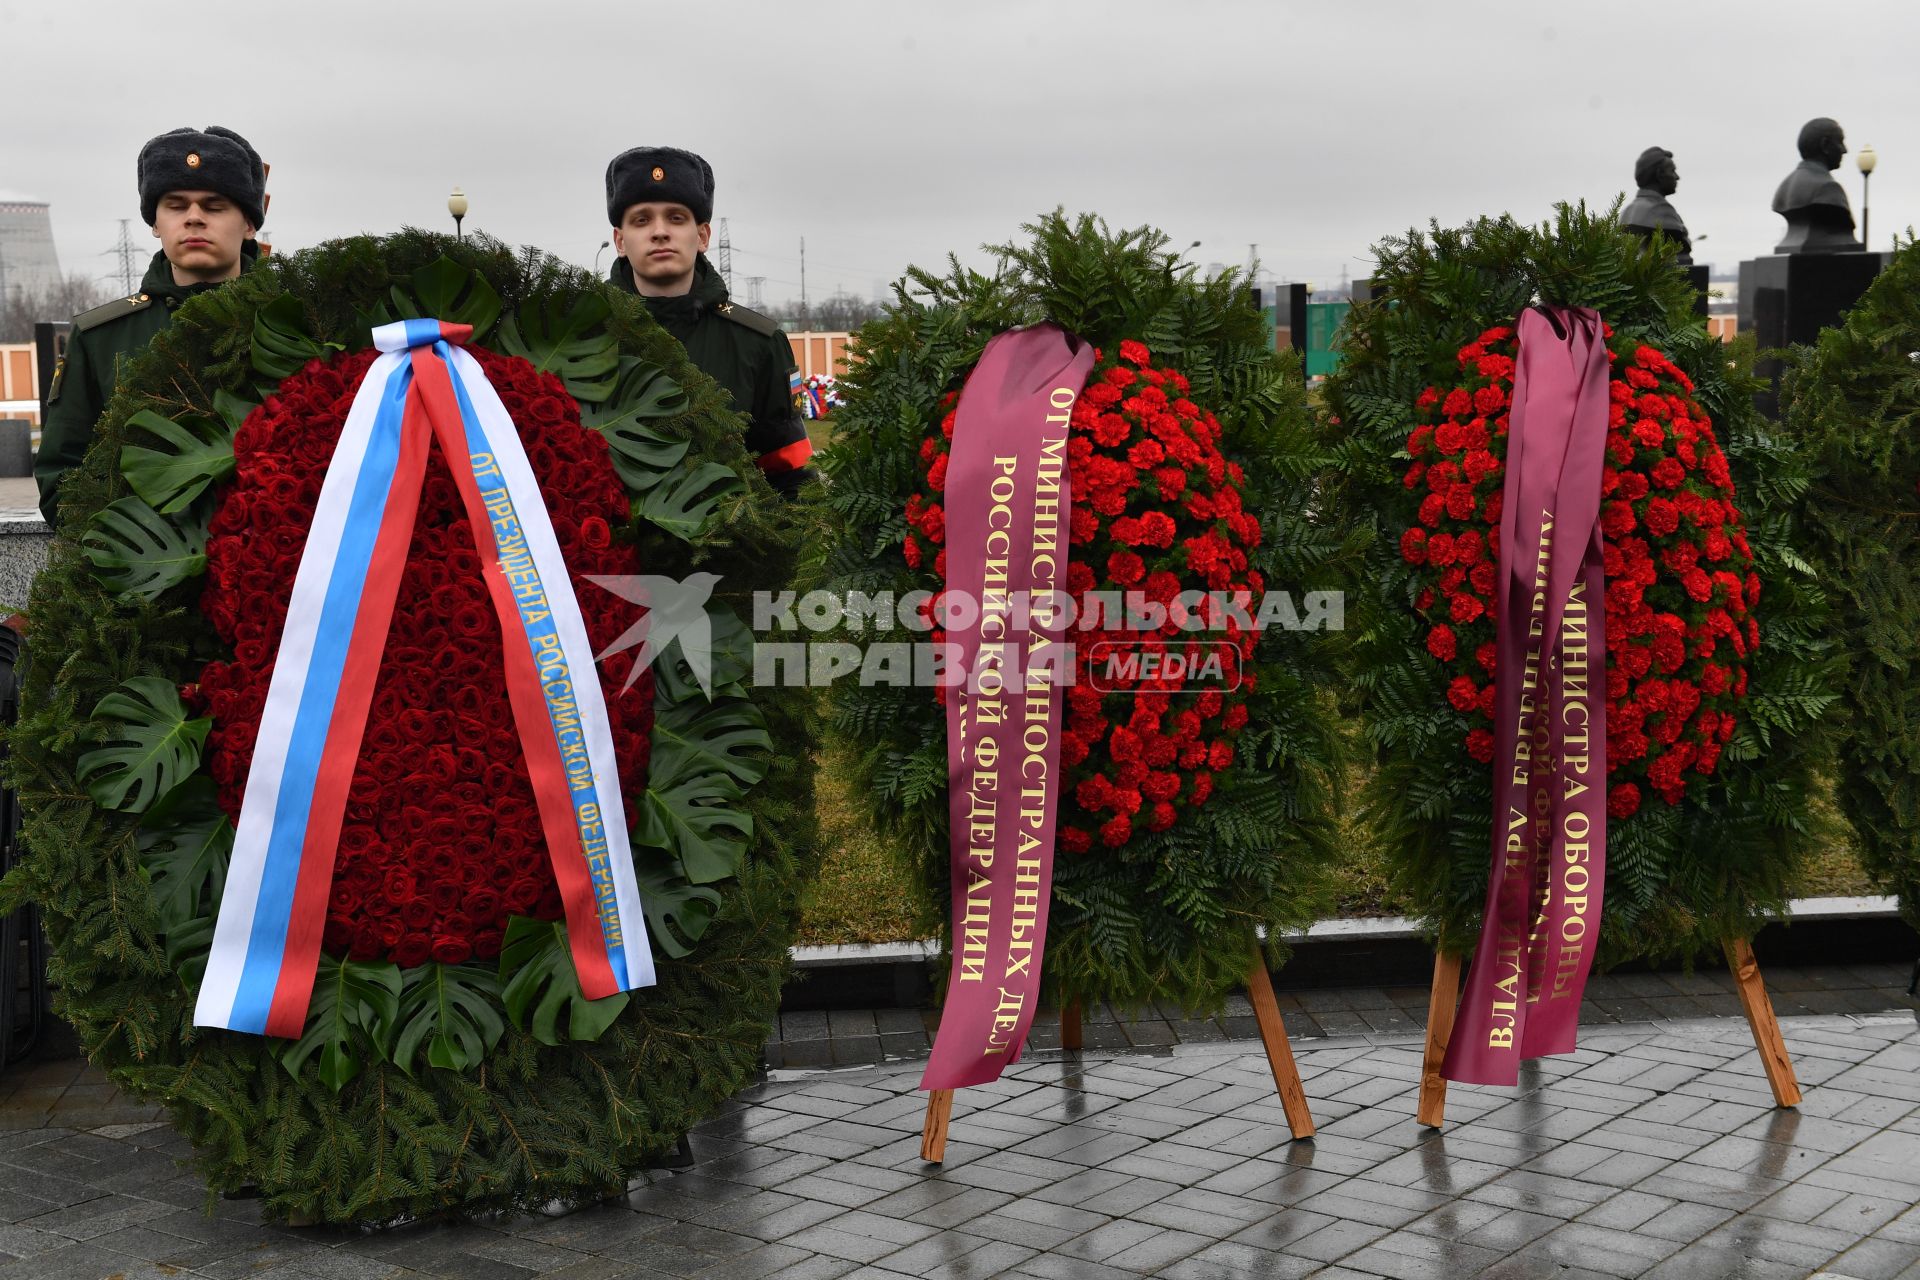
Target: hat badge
193,159
659,174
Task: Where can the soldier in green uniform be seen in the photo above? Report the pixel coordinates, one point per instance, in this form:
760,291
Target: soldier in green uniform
660,202
204,194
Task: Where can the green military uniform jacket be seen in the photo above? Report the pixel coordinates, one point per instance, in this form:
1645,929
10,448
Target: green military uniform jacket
746,353
101,341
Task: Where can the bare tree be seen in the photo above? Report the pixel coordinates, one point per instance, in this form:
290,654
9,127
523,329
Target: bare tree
838,313
21,309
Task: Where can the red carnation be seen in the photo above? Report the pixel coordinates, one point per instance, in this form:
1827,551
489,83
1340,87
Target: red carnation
1126,568
1462,693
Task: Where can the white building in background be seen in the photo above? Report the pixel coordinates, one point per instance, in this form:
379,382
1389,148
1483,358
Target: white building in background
28,263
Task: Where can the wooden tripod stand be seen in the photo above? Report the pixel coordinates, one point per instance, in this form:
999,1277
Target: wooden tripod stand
1754,1002
1273,1036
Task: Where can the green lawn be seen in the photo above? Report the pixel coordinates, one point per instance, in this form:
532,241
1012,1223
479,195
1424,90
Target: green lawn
865,892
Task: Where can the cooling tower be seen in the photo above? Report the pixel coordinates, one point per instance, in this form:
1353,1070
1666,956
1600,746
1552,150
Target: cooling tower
27,260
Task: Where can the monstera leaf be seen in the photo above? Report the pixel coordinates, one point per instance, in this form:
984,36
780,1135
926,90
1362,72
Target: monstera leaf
643,394
188,946
537,967
281,340
354,1010
692,737
678,913
445,290
729,646
698,819
150,748
684,503
186,841
450,1010
195,453
140,553
568,337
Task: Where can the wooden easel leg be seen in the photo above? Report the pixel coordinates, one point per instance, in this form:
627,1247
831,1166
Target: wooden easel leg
1071,1038
933,1138
1442,1004
1766,1028
1273,1034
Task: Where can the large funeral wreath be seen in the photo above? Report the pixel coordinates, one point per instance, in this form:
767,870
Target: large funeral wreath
449,1060
1718,666
1192,813
1855,403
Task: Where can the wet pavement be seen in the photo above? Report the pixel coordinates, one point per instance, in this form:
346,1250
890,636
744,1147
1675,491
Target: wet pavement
1654,1150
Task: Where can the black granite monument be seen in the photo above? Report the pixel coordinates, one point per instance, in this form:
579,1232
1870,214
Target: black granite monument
1819,270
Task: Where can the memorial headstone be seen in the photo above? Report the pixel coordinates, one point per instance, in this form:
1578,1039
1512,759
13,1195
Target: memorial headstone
1819,270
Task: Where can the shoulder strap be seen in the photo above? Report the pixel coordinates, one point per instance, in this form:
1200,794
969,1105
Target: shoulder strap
748,318
111,311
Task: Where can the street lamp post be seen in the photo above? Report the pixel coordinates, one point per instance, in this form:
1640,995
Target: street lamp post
1866,160
604,245
457,206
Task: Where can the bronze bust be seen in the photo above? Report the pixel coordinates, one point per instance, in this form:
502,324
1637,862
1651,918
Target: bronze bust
1649,211
1819,219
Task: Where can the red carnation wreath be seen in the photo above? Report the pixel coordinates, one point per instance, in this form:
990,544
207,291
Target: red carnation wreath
1157,510
1679,571
441,842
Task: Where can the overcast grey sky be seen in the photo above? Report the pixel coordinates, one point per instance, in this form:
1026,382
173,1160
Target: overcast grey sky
891,133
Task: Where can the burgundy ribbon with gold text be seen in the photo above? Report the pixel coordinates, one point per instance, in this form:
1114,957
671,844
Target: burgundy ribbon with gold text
1008,508
1542,920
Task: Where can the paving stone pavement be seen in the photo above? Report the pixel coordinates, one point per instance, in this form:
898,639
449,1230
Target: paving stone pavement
862,1037
1653,1151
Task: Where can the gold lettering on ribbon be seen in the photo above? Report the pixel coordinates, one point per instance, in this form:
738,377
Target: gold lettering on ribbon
1576,828
1008,667
1531,740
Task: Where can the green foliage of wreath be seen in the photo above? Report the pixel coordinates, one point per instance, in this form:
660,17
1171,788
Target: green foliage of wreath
1854,403
445,1087
1172,916
1679,878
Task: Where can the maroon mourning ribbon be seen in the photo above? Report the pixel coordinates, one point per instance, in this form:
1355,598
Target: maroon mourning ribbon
1008,508
1542,918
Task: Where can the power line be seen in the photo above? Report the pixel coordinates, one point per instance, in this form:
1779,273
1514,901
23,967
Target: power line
126,250
832,266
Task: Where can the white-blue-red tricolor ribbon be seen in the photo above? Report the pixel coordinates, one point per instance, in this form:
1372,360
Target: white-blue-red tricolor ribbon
266,944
